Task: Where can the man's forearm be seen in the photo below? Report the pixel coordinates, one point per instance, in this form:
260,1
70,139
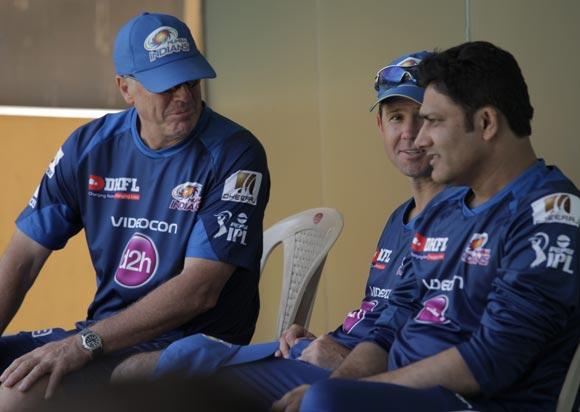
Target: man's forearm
10,302
365,359
170,305
446,369
19,267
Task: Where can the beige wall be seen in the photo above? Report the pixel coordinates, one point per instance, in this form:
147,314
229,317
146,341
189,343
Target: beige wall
65,287
298,74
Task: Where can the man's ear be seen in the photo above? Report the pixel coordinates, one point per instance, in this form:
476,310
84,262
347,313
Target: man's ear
125,89
379,118
487,118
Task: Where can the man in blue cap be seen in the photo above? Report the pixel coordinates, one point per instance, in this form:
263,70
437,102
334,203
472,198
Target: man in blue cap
497,317
171,197
301,357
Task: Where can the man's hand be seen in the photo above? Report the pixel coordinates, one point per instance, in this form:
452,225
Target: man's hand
291,401
289,338
54,359
324,352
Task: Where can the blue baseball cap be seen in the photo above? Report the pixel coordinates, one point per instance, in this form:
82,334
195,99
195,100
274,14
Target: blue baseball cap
399,78
159,51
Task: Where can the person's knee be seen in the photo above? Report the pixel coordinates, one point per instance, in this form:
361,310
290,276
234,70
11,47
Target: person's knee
136,367
13,400
324,395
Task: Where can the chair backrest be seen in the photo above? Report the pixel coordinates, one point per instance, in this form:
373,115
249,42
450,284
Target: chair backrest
307,237
571,385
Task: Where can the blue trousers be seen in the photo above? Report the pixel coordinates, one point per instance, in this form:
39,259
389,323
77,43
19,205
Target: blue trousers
340,395
269,379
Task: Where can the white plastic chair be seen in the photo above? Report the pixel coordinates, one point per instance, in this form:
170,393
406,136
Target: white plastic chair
571,385
307,237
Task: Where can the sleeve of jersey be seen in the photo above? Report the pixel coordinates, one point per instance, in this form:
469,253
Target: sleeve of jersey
229,225
403,302
532,298
51,216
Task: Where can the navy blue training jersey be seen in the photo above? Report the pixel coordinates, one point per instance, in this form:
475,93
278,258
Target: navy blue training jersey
144,211
500,282
388,266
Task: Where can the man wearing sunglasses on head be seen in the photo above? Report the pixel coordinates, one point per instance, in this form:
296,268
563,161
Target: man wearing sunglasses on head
171,197
498,319
272,369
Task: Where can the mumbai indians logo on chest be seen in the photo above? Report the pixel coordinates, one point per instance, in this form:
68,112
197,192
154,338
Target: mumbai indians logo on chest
243,187
474,253
186,197
163,41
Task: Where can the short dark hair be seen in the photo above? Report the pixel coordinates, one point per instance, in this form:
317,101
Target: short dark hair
477,74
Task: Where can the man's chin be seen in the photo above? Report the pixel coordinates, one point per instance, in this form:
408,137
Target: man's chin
182,129
442,178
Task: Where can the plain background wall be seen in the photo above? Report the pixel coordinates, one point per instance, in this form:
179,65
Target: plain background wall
299,75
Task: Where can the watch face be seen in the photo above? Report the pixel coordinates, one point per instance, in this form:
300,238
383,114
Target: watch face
92,341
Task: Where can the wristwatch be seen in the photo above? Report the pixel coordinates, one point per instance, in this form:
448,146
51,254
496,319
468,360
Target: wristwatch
91,342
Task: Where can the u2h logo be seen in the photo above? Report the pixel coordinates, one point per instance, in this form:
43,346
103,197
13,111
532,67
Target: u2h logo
139,262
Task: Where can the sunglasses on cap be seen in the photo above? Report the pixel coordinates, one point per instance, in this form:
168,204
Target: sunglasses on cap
394,75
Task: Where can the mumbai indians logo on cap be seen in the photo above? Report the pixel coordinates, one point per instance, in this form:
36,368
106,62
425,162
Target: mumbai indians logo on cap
163,41
409,62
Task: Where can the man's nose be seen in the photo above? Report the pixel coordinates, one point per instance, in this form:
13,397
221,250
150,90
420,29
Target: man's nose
422,139
411,129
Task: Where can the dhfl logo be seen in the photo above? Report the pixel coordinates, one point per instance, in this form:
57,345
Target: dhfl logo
381,258
113,184
418,243
119,188
429,248
96,183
